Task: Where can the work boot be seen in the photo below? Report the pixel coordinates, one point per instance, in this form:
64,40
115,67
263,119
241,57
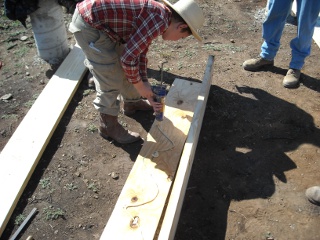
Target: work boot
255,64
313,195
111,128
291,80
130,108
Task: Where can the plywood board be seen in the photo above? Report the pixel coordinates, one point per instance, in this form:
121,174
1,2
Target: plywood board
167,227
21,154
140,205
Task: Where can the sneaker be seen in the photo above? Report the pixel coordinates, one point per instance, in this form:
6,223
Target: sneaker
291,80
313,195
255,64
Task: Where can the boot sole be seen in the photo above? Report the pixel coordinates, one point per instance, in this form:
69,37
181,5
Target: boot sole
291,85
253,69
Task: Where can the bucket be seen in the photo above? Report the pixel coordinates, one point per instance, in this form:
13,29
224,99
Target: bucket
49,31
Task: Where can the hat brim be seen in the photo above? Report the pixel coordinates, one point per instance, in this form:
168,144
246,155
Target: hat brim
194,31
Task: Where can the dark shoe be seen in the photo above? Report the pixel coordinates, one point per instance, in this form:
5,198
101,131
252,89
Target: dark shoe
130,108
256,63
291,80
313,195
111,128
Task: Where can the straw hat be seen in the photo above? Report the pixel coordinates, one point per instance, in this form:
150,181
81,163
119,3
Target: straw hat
191,14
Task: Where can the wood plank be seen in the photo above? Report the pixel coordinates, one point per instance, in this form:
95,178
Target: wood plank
316,34
141,202
21,154
173,208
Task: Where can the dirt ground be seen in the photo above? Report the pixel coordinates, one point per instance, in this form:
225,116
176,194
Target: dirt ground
258,149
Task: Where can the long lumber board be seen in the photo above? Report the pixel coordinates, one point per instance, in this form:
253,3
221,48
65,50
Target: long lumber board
21,154
316,34
140,205
173,208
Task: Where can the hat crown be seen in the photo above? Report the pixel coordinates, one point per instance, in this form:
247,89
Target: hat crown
191,14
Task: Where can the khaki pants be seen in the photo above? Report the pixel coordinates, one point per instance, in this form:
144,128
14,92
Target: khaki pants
103,61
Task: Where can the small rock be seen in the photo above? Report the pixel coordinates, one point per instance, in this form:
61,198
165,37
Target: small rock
3,133
115,175
232,40
7,96
90,226
23,38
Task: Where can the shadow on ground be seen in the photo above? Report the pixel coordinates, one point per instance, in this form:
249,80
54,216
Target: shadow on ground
239,152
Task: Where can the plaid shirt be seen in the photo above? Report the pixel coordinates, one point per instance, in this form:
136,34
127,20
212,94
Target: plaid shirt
134,22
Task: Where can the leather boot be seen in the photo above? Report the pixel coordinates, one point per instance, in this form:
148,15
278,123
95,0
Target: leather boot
111,128
291,80
256,64
130,108
313,195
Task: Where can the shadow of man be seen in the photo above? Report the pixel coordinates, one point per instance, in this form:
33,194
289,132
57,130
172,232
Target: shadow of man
241,148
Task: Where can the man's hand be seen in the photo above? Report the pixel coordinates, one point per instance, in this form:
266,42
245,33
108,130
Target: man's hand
156,105
144,89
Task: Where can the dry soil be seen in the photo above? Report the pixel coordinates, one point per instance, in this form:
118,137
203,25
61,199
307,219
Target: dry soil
257,153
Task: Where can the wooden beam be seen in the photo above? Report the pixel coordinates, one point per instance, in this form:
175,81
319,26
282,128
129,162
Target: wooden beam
21,154
316,34
173,209
140,205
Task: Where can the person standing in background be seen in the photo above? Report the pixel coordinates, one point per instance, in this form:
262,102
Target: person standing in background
272,28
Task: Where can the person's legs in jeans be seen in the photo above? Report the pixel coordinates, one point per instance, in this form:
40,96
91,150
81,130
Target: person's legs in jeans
307,15
273,26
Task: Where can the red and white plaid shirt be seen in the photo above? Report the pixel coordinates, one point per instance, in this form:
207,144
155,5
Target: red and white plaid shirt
134,22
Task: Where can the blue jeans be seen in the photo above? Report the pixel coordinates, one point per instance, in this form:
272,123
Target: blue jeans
272,28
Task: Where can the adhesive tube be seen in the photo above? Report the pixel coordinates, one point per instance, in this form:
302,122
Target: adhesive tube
160,94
